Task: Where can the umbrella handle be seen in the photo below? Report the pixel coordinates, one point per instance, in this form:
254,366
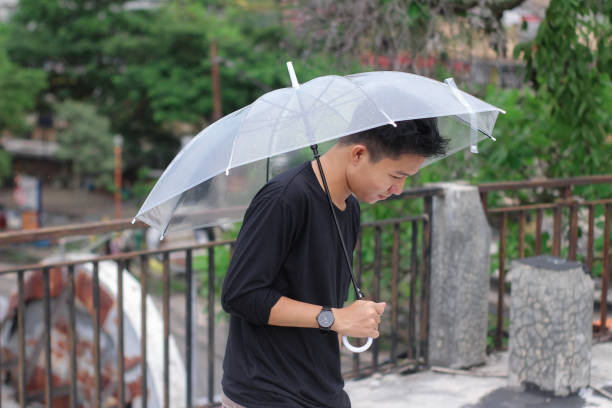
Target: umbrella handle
356,349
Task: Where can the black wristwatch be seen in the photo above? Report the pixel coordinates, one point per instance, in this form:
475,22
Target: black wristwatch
325,319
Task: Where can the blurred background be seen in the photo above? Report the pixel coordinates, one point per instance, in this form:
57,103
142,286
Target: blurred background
92,88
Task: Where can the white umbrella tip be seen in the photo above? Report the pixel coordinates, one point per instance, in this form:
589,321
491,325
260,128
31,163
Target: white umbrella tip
133,221
294,81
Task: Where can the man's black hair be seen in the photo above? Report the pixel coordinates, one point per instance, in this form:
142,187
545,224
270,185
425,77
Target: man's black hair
418,136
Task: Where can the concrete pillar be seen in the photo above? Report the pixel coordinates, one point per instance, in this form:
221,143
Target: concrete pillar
551,312
459,278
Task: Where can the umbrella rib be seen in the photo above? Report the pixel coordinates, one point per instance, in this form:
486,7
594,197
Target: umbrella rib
284,108
263,124
307,124
170,217
273,135
391,121
328,103
278,119
323,104
480,130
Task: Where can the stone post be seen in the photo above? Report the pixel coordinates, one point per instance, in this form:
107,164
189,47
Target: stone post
551,311
459,278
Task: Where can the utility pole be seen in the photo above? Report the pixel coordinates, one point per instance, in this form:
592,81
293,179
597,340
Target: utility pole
217,113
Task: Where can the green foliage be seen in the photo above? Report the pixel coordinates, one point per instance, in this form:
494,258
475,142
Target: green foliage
18,87
149,71
520,151
87,141
569,63
66,38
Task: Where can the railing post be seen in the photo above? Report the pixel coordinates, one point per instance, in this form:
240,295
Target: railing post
47,336
425,282
414,271
605,272
120,341
573,242
590,238
144,271
211,324
556,249
189,326
97,363
358,268
522,234
538,240
166,314
394,292
501,281
377,272
21,337
72,337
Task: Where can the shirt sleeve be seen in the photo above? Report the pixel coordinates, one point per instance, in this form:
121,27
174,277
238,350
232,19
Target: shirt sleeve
262,245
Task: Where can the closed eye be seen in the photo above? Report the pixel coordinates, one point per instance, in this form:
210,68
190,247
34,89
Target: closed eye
395,177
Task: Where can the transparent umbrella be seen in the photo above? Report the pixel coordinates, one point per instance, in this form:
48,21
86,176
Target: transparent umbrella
214,177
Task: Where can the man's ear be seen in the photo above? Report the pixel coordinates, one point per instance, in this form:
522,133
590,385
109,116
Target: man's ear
358,153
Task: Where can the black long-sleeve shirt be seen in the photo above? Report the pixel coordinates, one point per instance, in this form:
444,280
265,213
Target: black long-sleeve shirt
288,246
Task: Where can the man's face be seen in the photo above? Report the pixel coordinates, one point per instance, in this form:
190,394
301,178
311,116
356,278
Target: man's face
374,181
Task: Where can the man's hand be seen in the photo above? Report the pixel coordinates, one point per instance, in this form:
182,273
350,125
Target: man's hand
360,319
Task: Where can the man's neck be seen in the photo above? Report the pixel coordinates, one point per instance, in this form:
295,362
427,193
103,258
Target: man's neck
335,175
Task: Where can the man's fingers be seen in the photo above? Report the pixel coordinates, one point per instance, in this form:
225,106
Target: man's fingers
380,307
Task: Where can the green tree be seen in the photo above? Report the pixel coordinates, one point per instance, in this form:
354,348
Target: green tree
561,126
18,87
67,37
85,139
149,71
569,63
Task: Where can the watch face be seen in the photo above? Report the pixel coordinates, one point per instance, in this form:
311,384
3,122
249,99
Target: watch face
325,318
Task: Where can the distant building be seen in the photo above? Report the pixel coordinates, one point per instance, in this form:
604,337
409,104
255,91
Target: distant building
36,157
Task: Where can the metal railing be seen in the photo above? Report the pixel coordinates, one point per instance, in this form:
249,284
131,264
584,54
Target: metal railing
404,339
566,203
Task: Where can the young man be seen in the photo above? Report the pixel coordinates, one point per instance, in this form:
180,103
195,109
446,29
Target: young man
288,279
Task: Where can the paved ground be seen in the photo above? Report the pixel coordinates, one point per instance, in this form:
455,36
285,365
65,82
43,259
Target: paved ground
483,387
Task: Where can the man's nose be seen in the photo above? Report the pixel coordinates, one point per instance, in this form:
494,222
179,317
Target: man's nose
397,188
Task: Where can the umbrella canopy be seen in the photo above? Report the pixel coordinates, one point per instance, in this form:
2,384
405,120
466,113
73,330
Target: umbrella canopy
214,177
